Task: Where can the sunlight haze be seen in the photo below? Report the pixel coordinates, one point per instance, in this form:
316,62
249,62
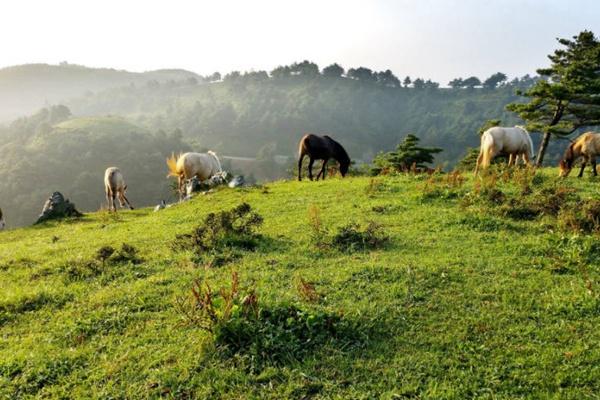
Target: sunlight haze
432,39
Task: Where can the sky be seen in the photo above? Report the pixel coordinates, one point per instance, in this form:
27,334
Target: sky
435,39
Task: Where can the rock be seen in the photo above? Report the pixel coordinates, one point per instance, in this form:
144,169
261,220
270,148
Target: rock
160,206
57,207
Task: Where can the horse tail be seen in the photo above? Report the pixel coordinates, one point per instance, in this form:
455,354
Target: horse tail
487,149
172,165
212,153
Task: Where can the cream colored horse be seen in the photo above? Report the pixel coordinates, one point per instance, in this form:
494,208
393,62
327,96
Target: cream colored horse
187,165
115,187
513,142
586,146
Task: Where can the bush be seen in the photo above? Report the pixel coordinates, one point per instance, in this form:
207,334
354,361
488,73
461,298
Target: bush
240,325
352,237
233,229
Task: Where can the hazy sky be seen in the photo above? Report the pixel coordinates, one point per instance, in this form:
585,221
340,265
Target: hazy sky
437,39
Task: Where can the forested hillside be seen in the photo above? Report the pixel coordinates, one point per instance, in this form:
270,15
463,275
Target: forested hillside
255,114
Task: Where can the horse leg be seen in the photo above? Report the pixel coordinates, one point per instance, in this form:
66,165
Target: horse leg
594,166
582,168
108,197
300,159
125,200
511,159
113,198
322,171
180,186
310,165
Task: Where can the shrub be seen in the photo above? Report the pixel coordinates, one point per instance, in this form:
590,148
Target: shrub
443,186
240,325
224,230
353,237
583,216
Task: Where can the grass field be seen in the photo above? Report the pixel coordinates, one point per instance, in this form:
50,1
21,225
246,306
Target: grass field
460,303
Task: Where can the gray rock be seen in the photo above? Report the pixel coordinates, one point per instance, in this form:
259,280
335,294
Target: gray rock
57,207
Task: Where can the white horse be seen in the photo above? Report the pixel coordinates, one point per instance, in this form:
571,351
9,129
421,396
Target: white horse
2,223
513,142
187,165
115,187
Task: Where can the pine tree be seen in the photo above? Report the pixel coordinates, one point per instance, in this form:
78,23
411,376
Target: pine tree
566,98
407,154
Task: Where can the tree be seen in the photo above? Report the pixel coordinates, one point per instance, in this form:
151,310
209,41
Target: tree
471,82
387,78
407,81
493,81
456,83
362,74
281,72
429,84
419,83
407,154
333,71
305,69
566,98
216,76
232,76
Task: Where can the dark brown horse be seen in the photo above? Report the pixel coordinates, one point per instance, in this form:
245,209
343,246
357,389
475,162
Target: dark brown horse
321,148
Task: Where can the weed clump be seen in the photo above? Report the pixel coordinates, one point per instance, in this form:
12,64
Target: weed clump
233,229
353,237
443,186
105,258
240,325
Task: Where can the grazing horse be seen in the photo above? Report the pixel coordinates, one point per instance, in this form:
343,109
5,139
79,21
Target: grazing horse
586,146
513,142
321,148
115,187
187,165
2,223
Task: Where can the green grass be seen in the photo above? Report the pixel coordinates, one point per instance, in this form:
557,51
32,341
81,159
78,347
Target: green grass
98,125
460,303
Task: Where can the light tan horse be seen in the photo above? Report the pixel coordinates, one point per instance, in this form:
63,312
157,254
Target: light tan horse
586,146
513,142
187,165
115,187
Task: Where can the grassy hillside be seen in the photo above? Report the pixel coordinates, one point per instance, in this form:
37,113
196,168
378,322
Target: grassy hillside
461,302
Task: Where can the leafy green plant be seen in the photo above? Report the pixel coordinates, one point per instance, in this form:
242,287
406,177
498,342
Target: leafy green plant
233,229
408,155
353,237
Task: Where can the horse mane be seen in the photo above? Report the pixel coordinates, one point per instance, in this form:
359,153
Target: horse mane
522,128
343,154
568,157
172,165
212,153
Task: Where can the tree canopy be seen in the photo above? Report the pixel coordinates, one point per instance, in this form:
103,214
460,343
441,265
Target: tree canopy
567,97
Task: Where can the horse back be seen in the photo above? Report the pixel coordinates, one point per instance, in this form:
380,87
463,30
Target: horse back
316,147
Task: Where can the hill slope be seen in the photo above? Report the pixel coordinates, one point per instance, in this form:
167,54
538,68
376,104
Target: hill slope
26,88
459,303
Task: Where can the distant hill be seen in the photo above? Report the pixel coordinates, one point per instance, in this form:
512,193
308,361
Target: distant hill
26,88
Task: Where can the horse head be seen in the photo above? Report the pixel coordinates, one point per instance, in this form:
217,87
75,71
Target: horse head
566,164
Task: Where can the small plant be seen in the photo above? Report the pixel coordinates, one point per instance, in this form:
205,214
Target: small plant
307,291
443,186
233,229
353,237
241,325
374,186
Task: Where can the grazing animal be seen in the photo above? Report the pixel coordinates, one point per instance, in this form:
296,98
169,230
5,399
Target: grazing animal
115,187
321,148
2,223
513,142
586,146
187,165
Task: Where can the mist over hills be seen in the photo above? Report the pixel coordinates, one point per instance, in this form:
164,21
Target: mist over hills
96,118
25,89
